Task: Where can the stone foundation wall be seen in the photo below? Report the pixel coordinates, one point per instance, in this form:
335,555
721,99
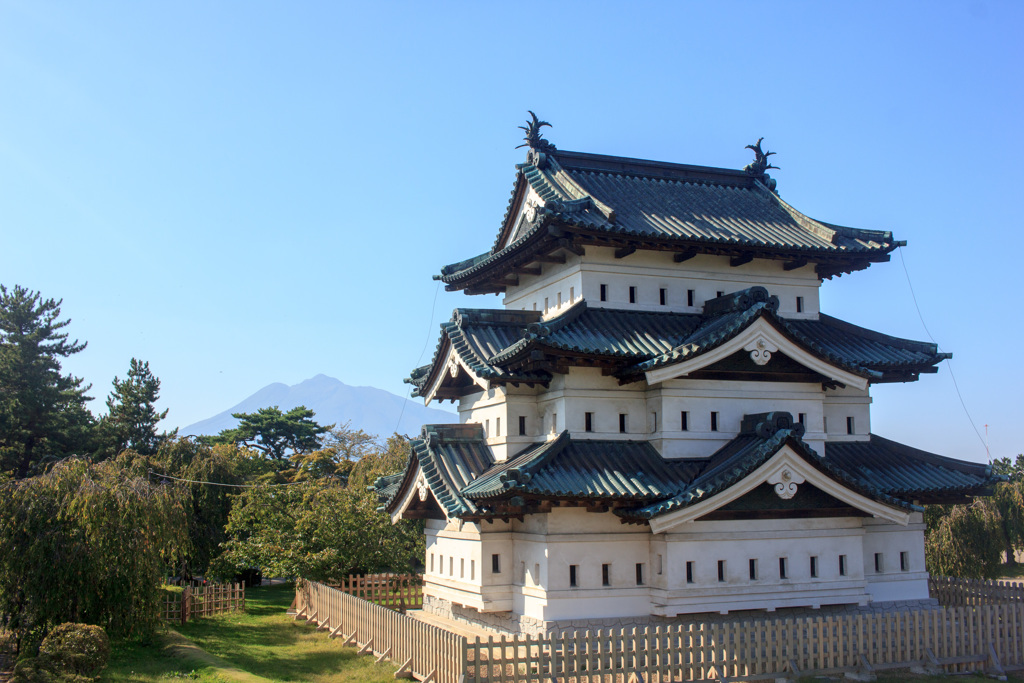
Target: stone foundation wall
509,622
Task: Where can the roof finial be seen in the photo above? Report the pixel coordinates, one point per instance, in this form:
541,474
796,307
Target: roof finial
533,137
759,166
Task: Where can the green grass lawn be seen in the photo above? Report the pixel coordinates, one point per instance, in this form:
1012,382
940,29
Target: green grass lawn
262,642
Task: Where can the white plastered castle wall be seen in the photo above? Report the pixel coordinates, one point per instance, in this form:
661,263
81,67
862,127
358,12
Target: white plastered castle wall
655,413
536,556
650,272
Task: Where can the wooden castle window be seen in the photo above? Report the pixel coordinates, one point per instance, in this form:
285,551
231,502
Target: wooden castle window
588,422
632,294
604,292
606,575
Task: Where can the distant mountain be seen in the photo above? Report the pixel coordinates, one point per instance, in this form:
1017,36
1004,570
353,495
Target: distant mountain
373,410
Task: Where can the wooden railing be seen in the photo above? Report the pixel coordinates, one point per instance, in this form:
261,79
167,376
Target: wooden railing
958,639
422,650
203,601
398,591
952,592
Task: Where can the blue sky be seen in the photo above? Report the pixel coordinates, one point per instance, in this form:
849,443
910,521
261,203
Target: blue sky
249,192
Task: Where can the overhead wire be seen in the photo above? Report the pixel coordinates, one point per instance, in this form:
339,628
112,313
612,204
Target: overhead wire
426,343
217,483
949,362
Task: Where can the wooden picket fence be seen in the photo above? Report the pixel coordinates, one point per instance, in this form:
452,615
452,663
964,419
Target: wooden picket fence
958,639
204,601
397,591
952,592
422,650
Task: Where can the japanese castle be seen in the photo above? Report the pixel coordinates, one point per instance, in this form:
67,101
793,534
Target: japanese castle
660,421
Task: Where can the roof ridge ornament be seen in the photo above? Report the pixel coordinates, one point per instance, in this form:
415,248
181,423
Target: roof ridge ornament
759,166
535,141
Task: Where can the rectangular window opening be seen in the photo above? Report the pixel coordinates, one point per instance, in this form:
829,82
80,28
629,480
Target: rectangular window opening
472,570
572,294
904,561
689,572
658,565
604,292
522,425
536,573
753,569
497,426
849,425
719,293
487,428
462,568
639,573
721,571
802,418
824,424
623,423
545,304
799,304
574,571
559,300
690,297
842,565
495,563
654,421
663,296
588,422
522,573
632,294
606,575
684,421
451,566
814,567
431,563
878,563
714,421
783,568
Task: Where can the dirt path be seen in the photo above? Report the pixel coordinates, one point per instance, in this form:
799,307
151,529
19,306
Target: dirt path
6,656
181,647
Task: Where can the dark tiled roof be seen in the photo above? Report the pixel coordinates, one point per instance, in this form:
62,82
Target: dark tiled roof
744,454
466,481
587,469
477,335
451,456
907,472
638,341
715,210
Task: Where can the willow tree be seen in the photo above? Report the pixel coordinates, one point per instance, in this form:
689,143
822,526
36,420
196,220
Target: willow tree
87,543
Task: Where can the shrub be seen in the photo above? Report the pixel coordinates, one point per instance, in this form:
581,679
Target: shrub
80,649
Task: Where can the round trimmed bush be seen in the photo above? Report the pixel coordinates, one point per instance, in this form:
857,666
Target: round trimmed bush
80,649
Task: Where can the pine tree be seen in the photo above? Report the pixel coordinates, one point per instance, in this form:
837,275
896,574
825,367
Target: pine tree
42,411
131,420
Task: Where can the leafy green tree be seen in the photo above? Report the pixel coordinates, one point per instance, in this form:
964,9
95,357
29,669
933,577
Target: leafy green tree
322,529
343,447
209,477
132,418
42,411
275,433
1007,502
87,543
963,540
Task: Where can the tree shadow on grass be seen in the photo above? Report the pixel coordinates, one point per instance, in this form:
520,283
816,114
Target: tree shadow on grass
265,641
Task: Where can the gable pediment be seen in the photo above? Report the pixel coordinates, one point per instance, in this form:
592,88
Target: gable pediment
785,472
763,343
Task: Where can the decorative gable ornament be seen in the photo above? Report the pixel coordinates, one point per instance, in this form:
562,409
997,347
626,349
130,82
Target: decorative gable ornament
786,482
421,487
761,350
